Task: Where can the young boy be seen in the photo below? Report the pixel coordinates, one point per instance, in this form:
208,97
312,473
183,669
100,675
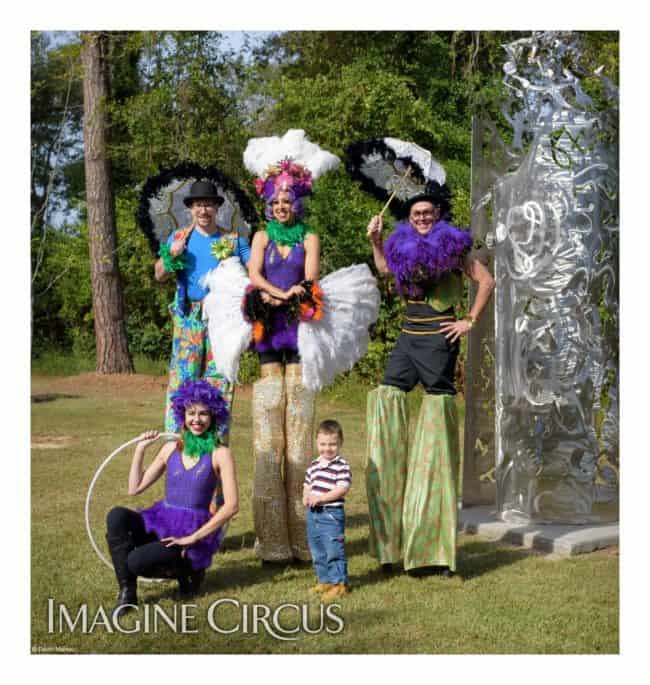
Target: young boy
326,482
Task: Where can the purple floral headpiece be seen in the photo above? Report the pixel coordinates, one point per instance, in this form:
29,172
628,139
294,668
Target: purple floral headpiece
195,392
417,259
288,176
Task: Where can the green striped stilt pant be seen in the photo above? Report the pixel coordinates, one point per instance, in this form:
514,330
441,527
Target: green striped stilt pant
412,493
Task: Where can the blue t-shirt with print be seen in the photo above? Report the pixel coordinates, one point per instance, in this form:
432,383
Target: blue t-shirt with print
199,260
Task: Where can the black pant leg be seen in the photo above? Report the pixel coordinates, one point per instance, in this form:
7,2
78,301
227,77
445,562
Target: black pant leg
434,357
154,560
400,371
126,524
144,555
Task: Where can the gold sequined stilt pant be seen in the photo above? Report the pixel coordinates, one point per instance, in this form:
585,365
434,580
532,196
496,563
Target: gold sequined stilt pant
269,496
299,425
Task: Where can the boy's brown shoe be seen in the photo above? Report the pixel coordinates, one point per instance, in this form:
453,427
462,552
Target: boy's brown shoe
334,592
321,587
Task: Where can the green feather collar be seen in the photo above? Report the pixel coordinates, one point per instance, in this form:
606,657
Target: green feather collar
281,234
196,445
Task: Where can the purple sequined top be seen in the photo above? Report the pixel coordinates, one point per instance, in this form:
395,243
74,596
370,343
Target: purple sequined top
282,273
185,508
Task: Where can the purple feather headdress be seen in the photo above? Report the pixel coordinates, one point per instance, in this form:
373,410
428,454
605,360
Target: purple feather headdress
418,259
195,392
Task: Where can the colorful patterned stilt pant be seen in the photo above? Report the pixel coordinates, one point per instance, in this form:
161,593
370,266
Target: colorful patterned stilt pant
192,359
412,495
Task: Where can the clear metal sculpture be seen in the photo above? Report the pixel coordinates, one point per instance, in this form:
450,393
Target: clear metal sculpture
556,305
491,160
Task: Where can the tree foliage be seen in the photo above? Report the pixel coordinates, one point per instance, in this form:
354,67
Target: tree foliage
56,110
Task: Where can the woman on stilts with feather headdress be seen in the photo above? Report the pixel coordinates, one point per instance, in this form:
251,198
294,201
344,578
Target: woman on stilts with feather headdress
305,330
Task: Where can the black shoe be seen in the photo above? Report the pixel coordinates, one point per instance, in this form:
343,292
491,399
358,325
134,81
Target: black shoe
276,563
297,561
190,583
388,568
127,599
446,572
424,571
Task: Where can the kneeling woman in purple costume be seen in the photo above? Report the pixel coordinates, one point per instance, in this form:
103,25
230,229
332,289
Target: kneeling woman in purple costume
177,536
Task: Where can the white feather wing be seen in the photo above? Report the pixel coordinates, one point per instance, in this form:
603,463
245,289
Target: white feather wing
230,334
336,342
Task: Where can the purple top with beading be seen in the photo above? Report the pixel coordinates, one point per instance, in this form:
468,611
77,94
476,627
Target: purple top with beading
186,507
282,273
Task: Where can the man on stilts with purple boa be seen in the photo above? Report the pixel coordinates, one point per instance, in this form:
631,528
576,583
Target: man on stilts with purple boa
412,493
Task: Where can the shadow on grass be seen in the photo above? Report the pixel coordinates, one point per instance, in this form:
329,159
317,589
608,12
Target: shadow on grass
52,396
230,575
374,577
247,540
480,557
234,543
355,548
474,559
357,520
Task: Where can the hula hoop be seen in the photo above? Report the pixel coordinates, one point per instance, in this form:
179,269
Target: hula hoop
98,552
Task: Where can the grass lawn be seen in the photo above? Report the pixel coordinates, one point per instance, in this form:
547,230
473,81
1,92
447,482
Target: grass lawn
504,600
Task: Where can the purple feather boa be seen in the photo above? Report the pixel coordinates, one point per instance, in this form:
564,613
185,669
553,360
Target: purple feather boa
416,260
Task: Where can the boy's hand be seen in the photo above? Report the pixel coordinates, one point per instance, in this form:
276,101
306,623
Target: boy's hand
313,500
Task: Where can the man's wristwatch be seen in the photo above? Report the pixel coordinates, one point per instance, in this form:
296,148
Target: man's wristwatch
470,320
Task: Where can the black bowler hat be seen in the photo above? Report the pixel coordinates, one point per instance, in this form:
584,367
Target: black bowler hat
438,195
203,190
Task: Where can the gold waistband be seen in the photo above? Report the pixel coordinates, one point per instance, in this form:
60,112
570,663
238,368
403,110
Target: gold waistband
416,319
406,330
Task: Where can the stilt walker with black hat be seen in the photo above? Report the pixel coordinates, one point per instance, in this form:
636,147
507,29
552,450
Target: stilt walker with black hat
412,488
190,253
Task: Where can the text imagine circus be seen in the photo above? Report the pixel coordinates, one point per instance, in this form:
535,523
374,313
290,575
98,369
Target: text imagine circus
252,619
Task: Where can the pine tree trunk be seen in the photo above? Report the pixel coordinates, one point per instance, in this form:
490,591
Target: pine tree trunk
111,343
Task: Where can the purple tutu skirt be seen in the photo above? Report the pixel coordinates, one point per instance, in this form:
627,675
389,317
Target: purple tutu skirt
167,520
282,336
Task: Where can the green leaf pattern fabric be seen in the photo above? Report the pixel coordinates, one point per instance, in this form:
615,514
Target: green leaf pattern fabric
412,498
387,452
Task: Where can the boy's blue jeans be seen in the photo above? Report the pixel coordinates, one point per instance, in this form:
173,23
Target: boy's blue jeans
326,537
